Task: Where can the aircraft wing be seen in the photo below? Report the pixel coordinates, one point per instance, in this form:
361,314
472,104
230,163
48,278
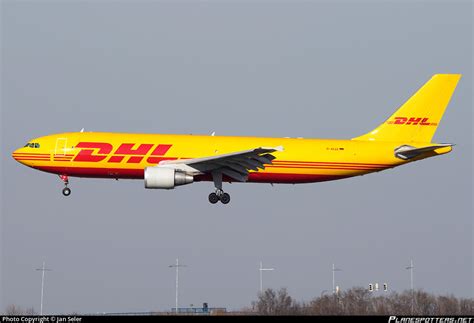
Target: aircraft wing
408,152
235,165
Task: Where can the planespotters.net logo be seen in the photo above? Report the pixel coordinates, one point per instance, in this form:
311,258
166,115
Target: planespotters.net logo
405,319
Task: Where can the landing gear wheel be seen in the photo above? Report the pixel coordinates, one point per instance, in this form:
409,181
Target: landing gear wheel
66,191
225,198
213,198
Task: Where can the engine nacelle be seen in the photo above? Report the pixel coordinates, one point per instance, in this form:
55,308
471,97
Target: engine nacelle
165,178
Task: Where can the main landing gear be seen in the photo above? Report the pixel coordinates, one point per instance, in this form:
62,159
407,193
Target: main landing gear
219,195
66,190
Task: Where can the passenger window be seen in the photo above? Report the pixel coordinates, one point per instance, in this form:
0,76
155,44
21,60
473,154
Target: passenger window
37,145
32,145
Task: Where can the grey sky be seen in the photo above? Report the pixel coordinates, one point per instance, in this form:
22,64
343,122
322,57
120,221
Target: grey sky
309,69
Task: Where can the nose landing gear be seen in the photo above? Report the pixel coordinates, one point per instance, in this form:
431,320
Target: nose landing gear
66,190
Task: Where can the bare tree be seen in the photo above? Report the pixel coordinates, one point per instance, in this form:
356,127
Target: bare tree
448,305
401,303
356,301
359,301
380,306
425,304
275,303
325,305
30,311
466,306
13,309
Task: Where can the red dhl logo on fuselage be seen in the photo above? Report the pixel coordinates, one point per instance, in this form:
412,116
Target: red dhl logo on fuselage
100,151
412,121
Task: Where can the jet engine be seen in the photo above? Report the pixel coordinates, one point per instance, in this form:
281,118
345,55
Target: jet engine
165,178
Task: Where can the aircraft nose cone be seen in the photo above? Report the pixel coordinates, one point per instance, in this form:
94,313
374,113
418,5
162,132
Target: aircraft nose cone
16,155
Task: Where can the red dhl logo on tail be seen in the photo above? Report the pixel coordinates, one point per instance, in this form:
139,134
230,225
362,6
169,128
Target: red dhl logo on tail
99,151
412,121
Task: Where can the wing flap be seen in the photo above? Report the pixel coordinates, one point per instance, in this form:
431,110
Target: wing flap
234,165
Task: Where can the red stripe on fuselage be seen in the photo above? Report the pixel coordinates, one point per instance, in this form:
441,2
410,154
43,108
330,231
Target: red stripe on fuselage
327,163
277,178
291,178
36,154
131,173
324,167
31,158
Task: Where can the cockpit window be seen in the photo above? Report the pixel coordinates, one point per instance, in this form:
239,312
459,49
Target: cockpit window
32,145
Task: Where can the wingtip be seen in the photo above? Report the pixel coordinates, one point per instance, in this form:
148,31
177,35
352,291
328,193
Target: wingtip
279,148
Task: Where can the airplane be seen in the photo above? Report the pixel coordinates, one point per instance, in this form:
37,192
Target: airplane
165,161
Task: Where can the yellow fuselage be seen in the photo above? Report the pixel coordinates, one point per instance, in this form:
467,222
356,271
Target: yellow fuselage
122,155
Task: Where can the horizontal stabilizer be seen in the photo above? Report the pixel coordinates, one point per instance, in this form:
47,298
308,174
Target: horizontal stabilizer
407,152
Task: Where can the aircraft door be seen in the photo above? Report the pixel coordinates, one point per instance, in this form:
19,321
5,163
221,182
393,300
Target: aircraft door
60,149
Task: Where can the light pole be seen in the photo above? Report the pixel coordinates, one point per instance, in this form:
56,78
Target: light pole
261,269
43,269
334,269
411,267
177,265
